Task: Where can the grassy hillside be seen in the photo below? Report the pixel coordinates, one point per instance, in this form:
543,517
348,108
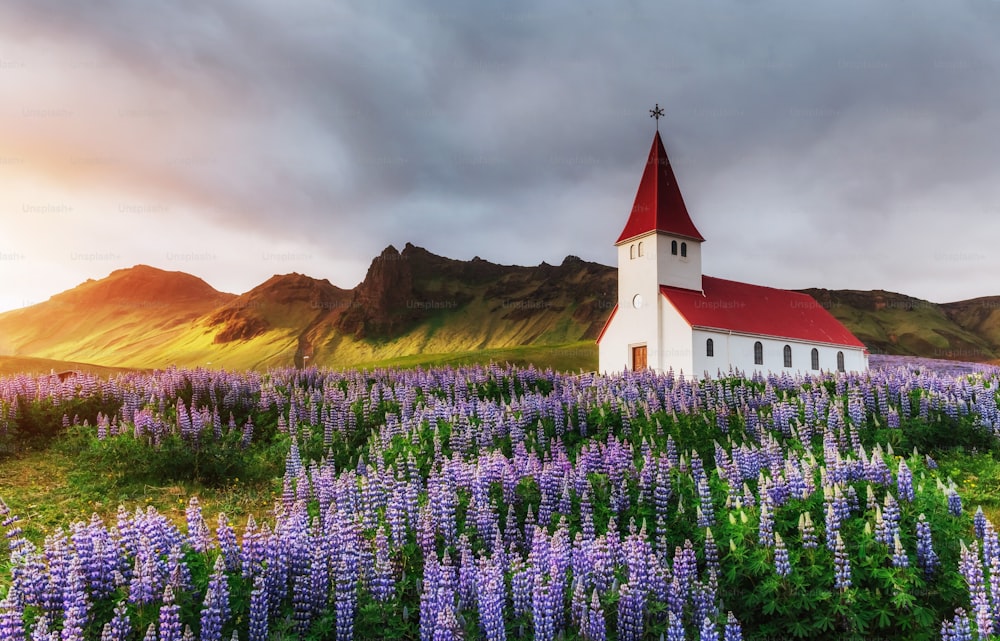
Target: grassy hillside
413,307
890,323
28,365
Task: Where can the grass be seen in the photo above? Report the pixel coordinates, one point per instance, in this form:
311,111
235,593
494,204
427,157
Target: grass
11,365
569,357
48,489
978,477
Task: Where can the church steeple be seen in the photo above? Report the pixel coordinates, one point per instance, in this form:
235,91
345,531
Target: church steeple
659,205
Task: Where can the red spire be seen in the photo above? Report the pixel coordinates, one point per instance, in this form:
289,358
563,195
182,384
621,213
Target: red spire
658,203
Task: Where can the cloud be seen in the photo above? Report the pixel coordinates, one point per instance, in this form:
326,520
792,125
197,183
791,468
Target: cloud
799,132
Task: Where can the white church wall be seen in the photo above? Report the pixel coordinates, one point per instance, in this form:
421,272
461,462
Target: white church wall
612,352
633,325
675,339
738,350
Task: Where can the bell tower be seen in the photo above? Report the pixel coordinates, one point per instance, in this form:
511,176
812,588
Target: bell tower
659,246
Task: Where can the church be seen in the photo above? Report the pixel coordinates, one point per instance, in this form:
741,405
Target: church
669,316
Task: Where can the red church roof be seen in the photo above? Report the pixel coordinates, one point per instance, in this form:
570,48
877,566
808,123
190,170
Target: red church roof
752,309
658,203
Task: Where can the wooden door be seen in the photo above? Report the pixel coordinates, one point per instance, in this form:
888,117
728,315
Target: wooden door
639,358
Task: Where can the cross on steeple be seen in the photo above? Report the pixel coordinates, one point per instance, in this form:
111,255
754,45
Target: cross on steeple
656,112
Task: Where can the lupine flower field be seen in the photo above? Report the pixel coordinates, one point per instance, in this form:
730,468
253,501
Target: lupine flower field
503,503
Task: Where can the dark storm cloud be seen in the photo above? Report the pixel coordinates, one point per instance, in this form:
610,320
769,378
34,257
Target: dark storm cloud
834,136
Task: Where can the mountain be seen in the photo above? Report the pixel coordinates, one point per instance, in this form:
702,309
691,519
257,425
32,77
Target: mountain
412,307
118,320
410,303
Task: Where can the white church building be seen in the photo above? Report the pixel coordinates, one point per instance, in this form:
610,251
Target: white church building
671,317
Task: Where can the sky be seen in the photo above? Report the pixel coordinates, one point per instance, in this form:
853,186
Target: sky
847,145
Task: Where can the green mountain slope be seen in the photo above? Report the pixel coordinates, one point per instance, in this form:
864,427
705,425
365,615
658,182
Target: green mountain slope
890,323
412,305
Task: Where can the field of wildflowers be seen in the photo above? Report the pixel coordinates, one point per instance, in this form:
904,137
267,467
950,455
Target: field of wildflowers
510,503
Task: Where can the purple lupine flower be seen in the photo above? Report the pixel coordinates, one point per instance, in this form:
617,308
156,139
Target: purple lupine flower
491,599
543,604
904,482
971,568
899,558
218,583
74,602
994,581
841,505
428,597
40,631
522,579
708,631
891,516
12,616
170,617
808,531
765,528
958,629
637,552
578,603
675,628
466,573
662,491
852,500
870,503
703,599
119,628
781,563
252,550
685,565
586,515
733,630
979,522
211,618
346,600
954,503
178,573
228,545
595,627
383,582
197,530
631,612
711,551
832,527
991,543
706,516
842,565
927,559
258,629
881,532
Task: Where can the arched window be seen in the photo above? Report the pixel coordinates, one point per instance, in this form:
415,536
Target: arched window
710,347
815,358
840,361
673,247
684,250
758,353
640,249
788,355
631,251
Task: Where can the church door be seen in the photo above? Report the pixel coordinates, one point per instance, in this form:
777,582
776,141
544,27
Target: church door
639,358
